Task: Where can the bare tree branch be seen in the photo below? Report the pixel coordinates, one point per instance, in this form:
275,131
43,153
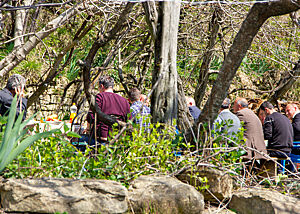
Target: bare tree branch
256,17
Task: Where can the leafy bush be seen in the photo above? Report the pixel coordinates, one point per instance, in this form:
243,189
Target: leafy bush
136,152
133,154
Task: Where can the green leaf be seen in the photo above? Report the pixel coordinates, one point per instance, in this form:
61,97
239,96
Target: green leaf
73,134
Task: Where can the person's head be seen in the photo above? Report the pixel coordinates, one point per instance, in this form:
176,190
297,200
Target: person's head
240,103
267,107
190,101
261,115
106,82
144,99
291,110
134,95
226,104
16,83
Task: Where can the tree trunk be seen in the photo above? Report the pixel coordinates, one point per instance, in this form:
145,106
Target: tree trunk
151,17
185,119
164,99
19,26
256,17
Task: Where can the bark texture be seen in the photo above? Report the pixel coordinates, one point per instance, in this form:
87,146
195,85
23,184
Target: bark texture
164,99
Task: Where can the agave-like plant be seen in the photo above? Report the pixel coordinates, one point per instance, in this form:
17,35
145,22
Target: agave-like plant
14,140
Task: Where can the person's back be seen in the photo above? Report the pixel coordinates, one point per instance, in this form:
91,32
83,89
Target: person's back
253,129
232,122
279,132
109,103
113,105
139,111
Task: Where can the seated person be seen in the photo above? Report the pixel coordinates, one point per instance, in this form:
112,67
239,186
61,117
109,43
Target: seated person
293,113
109,103
253,129
15,85
139,113
231,121
194,110
278,131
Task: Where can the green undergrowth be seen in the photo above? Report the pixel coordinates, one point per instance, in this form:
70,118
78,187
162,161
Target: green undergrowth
138,151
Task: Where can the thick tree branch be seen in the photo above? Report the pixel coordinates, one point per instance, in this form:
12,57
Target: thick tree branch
286,83
90,58
55,68
256,17
18,55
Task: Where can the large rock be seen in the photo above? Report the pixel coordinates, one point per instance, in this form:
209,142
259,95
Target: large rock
219,183
162,194
255,201
63,195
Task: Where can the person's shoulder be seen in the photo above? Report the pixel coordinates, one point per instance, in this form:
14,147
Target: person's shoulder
297,116
278,116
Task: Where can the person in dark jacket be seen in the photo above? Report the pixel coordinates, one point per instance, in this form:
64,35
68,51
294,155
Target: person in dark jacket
15,86
278,131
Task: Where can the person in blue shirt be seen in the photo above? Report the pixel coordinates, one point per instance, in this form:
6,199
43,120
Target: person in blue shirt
231,122
139,111
194,110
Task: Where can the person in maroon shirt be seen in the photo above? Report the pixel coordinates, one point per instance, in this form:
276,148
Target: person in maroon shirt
109,103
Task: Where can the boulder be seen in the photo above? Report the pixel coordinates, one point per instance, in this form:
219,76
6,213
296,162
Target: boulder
254,201
49,195
162,194
219,183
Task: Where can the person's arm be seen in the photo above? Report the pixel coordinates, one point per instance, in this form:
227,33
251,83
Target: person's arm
268,128
296,123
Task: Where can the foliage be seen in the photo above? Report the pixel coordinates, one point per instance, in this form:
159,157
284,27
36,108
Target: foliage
137,152
229,147
15,139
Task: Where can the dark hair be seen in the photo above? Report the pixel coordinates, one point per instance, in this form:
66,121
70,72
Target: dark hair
134,94
265,105
15,81
106,81
243,103
226,103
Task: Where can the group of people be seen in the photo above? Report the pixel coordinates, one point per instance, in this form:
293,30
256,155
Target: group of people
117,107
269,125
